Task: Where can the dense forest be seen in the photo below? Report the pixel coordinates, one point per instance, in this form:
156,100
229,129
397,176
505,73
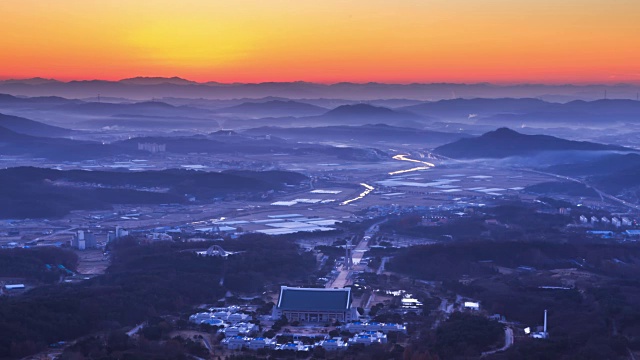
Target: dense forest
510,220
145,281
32,263
592,315
30,192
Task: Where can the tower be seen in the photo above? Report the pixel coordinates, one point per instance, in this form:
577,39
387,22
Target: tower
348,256
545,323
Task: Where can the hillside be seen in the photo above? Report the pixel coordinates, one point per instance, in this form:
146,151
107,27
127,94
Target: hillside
461,109
231,143
603,165
273,108
368,133
29,127
13,143
505,142
29,192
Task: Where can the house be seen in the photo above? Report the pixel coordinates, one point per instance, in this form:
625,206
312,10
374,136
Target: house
333,344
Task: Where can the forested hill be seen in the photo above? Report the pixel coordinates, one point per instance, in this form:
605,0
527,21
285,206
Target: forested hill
29,192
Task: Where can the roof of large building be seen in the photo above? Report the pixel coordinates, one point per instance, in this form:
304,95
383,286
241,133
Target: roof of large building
314,299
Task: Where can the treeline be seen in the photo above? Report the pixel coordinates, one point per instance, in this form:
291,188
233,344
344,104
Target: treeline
515,220
450,261
31,263
145,281
29,192
595,320
561,187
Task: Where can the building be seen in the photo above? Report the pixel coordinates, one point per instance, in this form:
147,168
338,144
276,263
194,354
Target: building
14,287
235,342
152,147
369,338
240,329
632,233
315,305
616,222
84,240
333,344
357,326
261,343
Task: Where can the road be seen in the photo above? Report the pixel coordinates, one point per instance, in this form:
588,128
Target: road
508,341
423,165
367,190
135,330
356,255
57,233
382,264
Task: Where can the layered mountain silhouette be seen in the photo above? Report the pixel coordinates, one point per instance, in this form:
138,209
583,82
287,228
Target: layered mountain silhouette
30,127
146,88
505,142
13,143
273,108
368,133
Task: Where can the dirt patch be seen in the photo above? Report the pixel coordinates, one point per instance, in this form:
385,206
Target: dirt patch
92,262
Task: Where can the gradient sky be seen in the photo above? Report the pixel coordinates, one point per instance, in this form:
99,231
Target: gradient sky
501,41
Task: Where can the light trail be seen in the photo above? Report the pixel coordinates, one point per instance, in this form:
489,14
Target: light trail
403,157
367,190
410,170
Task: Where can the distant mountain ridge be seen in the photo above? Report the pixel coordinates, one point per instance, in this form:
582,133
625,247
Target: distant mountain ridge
366,134
504,142
146,88
273,108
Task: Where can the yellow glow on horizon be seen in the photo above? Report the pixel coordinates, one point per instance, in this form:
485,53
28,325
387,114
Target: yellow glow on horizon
324,41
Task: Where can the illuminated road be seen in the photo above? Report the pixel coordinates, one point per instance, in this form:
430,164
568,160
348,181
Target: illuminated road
367,189
424,165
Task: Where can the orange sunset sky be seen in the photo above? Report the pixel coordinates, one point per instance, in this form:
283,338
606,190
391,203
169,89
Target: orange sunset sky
400,41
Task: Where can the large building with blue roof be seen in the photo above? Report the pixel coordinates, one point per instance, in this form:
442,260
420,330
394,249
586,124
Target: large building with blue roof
315,305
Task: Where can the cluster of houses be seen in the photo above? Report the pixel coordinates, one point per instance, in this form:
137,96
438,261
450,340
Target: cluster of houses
605,221
232,322
365,338
308,305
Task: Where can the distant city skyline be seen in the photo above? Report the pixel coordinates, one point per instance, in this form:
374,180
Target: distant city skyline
251,41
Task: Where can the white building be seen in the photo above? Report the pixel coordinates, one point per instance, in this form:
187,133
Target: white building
333,344
240,329
616,222
261,343
357,326
369,337
294,346
206,318
235,342
472,305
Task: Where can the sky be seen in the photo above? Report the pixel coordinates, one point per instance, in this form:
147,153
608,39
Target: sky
327,41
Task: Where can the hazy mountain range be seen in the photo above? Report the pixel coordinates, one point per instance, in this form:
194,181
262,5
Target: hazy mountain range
147,88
